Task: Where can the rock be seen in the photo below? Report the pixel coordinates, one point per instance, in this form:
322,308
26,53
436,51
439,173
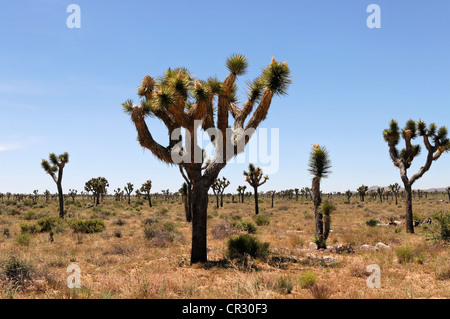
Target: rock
380,245
313,245
367,247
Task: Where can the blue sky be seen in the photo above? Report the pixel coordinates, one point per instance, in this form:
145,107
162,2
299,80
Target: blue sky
61,89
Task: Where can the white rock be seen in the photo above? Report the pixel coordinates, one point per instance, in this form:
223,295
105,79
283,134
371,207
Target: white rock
380,245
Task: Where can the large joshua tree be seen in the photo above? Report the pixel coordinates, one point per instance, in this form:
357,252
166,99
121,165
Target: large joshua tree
180,101
319,166
55,170
253,177
436,143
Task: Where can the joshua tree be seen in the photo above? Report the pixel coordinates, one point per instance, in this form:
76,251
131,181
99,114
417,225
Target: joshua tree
395,189
73,194
241,191
35,195
166,194
146,188
129,189
272,194
348,194
448,193
181,101
118,194
319,166
380,193
218,188
326,209
55,170
253,177
296,190
97,186
187,205
189,194
1,196
362,190
436,143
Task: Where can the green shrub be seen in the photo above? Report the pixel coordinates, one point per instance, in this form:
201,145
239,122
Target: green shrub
17,271
372,222
47,224
245,226
162,211
244,244
87,226
29,228
440,228
285,284
262,220
307,279
24,239
404,254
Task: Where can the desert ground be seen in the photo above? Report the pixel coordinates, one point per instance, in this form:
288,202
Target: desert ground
144,252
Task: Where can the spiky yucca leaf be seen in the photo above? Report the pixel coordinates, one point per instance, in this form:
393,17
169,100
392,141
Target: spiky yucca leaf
255,89
215,86
327,207
164,98
128,106
237,64
276,77
319,162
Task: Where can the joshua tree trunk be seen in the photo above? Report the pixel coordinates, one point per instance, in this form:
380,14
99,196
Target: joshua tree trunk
149,200
317,200
409,210
273,195
256,201
199,222
221,200
61,199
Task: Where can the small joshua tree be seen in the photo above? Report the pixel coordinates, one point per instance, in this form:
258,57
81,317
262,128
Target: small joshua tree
73,194
218,188
187,206
98,187
35,195
362,190
296,190
253,177
129,189
395,189
118,194
241,191
319,166
326,209
348,194
436,143
380,192
55,170
146,188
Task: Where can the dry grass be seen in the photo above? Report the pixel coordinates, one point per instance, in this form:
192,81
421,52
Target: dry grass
132,266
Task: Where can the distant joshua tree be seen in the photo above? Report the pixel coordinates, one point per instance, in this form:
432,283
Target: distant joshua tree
380,193
218,188
448,193
146,188
73,194
187,206
362,190
98,187
55,170
319,166
253,177
348,194
296,190
436,143
129,189
272,194
395,189
241,191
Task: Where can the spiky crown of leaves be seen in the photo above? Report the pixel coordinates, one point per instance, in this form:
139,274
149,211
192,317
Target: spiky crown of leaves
97,185
319,162
56,161
178,84
413,129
